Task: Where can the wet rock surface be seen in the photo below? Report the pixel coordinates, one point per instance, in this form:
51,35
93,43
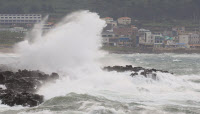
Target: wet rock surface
20,87
135,71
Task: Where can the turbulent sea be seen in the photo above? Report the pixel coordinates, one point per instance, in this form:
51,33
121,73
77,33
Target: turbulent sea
122,94
71,49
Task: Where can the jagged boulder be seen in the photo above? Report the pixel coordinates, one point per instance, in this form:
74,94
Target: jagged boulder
12,98
22,85
136,71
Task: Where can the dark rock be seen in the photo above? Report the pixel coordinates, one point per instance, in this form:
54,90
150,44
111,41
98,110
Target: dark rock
137,69
154,76
134,74
145,72
12,98
2,79
54,76
154,70
22,85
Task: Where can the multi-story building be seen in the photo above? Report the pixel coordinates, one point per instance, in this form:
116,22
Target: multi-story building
109,38
108,20
183,40
120,36
122,31
123,41
20,18
158,40
194,40
134,36
124,20
145,36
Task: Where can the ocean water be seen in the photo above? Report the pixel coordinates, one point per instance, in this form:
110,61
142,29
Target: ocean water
84,88
118,93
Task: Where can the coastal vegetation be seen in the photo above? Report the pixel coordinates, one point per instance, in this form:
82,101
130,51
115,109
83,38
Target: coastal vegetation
8,39
156,10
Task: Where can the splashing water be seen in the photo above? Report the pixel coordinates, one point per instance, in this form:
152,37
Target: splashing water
72,43
71,48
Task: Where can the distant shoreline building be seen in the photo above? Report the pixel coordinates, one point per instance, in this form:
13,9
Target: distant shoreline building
108,20
124,20
20,18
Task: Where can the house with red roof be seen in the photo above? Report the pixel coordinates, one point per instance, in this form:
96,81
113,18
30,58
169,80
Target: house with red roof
108,20
124,20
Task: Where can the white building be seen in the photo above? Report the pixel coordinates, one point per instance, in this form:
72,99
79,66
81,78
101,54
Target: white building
194,38
124,20
107,38
20,18
184,40
108,20
145,36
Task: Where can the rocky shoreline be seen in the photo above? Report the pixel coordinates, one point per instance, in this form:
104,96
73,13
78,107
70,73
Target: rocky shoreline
135,71
19,88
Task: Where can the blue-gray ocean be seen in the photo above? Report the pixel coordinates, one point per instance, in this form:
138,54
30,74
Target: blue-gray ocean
118,93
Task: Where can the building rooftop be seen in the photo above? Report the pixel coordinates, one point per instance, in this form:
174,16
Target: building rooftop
107,18
124,18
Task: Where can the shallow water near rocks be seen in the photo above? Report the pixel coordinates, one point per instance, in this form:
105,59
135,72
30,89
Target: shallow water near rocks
178,93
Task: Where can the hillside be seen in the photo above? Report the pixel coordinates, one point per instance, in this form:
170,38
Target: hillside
158,10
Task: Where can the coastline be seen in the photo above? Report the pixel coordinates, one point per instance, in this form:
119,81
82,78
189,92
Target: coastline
127,50
130,50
